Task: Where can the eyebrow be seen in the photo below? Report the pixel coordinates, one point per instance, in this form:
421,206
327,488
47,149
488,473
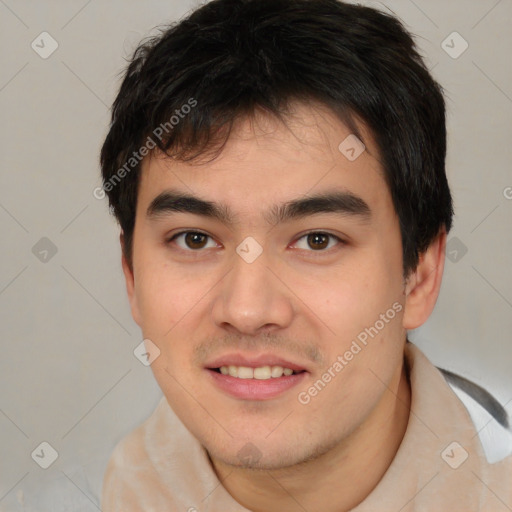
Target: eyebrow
343,203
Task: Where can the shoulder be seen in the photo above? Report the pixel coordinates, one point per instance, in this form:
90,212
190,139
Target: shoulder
490,419
131,467
128,459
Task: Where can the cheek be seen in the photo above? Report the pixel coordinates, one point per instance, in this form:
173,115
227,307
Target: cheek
360,362
173,305
165,296
354,300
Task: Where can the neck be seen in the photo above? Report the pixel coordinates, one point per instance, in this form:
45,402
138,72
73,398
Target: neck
339,479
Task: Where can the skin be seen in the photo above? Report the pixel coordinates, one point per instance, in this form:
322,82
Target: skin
302,302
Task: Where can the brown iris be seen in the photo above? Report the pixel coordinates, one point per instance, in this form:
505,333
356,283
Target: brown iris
193,240
315,240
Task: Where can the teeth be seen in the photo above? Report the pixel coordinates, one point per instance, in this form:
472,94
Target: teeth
260,373
245,373
263,373
276,371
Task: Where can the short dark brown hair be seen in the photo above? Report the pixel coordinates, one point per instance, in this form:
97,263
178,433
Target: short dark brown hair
183,90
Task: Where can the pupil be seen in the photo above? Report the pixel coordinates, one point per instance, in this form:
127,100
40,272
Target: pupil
192,239
313,238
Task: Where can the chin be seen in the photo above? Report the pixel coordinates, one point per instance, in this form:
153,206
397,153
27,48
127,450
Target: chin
258,453
253,458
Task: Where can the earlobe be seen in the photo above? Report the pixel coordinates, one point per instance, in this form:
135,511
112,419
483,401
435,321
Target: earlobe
423,285
130,283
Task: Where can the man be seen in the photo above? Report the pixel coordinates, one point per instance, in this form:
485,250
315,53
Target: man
277,170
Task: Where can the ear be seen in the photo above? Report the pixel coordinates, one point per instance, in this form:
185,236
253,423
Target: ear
130,283
423,285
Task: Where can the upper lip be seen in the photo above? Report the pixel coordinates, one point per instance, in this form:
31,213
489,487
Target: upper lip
253,361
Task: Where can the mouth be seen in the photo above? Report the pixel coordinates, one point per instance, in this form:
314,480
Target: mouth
257,378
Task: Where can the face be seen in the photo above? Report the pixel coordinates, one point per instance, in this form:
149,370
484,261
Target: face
257,284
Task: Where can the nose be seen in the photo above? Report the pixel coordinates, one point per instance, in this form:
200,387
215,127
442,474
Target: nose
251,299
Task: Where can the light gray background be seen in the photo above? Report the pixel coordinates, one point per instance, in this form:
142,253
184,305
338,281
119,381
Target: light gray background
68,375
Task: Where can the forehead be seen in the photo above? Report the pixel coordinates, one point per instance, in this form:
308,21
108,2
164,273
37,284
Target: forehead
266,161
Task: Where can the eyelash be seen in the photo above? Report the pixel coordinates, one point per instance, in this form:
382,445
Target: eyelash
337,238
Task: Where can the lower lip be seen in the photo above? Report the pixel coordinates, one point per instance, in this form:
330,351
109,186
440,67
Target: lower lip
255,389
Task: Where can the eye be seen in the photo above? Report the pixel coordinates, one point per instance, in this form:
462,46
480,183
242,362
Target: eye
194,240
318,240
